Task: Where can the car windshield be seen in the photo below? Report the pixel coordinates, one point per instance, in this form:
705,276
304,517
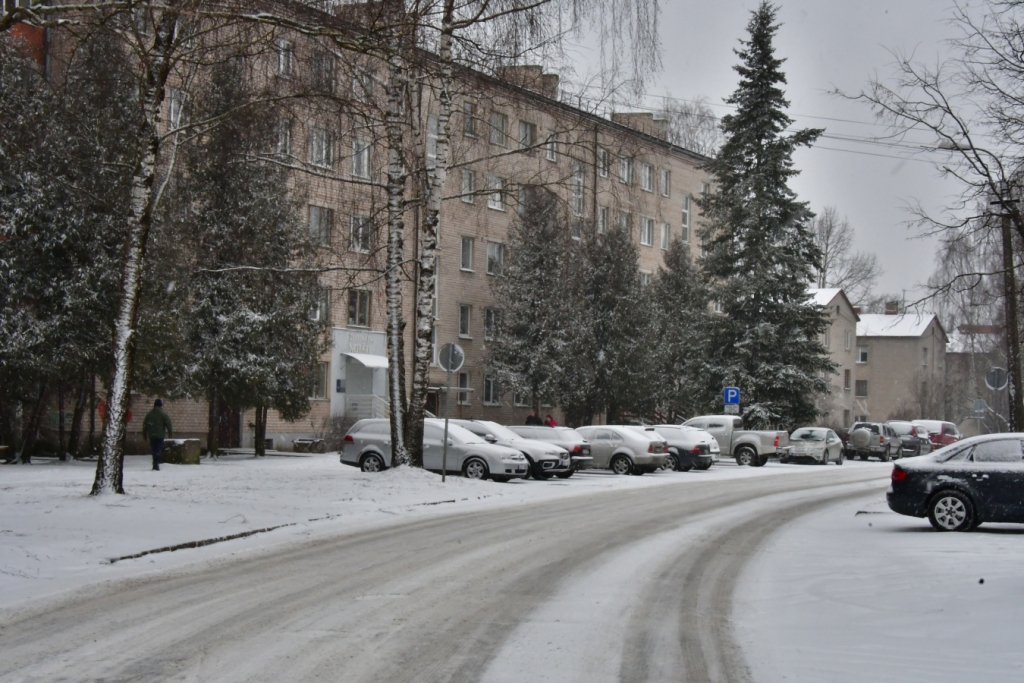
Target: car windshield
460,434
568,434
500,432
808,435
901,428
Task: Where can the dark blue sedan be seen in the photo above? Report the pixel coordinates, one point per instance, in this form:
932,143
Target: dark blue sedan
958,487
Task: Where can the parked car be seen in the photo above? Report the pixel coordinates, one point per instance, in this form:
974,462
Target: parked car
958,487
748,447
688,447
940,433
623,450
816,444
873,440
565,437
546,460
914,440
367,445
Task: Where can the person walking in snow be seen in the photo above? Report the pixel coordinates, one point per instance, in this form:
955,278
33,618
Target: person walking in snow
532,420
156,427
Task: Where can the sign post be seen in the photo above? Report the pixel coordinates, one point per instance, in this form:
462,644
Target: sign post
731,399
451,359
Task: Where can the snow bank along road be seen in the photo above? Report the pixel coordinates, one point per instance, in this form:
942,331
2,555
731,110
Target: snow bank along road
629,585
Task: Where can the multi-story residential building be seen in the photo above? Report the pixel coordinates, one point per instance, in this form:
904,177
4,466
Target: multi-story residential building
900,367
840,338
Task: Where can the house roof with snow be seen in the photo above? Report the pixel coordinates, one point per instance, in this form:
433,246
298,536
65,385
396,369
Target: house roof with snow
823,296
903,325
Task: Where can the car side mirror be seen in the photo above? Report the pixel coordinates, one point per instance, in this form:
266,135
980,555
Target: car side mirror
450,442
490,438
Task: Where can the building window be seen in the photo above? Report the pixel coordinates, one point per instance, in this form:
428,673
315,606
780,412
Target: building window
465,319
499,124
862,354
604,162
321,147
176,109
285,51
469,120
496,193
647,177
362,85
432,132
359,234
467,254
284,138
468,186
495,257
320,381
577,188
322,307
716,306
849,340
519,399
320,221
924,356
646,231
846,417
358,308
602,220
703,246
491,397
645,278
666,182
490,322
862,389
685,226
625,221
576,229
826,338
463,396
360,158
322,72
626,170
527,135
705,190
551,147
846,379
666,235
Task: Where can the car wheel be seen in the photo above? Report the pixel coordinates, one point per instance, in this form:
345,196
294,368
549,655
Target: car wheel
621,465
671,463
746,456
500,480
636,472
565,475
529,467
475,468
885,456
759,460
687,468
372,463
703,466
951,511
842,457
543,476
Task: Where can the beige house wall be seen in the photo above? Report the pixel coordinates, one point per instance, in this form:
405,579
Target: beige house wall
839,407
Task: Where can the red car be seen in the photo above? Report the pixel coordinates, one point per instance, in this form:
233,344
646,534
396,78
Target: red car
940,433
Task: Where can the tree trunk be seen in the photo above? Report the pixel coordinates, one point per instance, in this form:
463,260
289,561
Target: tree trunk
396,235
92,415
62,454
30,435
426,287
75,437
261,431
7,420
212,425
156,65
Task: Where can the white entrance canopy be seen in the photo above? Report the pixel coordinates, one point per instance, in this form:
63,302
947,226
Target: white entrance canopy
369,360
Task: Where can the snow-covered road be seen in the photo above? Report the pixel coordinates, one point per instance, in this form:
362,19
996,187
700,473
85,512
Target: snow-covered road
626,583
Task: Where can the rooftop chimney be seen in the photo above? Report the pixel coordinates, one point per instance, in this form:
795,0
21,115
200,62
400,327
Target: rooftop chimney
892,307
532,77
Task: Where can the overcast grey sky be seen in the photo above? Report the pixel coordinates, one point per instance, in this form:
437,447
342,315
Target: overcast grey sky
827,45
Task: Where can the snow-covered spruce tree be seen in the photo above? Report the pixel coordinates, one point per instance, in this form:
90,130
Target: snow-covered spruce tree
609,366
63,197
681,342
761,253
249,326
527,351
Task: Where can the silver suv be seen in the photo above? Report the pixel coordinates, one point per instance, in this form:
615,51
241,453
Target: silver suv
546,460
368,447
873,440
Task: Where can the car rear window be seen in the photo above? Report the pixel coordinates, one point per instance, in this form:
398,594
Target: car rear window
375,428
864,425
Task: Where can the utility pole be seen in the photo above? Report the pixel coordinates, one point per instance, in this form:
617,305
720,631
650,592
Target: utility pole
1015,388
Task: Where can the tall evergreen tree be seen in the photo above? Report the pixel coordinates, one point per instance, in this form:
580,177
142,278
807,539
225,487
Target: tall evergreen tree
682,341
528,348
761,253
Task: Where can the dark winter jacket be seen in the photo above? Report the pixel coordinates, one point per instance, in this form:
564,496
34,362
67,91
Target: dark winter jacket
156,425
534,420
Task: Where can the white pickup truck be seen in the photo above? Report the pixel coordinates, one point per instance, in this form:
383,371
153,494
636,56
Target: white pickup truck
748,447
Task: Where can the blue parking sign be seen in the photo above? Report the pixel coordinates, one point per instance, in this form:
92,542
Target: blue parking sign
732,396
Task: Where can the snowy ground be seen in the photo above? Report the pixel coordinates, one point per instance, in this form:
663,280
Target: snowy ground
857,593
54,537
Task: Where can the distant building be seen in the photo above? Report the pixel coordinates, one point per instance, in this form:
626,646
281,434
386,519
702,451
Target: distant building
900,367
840,338
973,350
